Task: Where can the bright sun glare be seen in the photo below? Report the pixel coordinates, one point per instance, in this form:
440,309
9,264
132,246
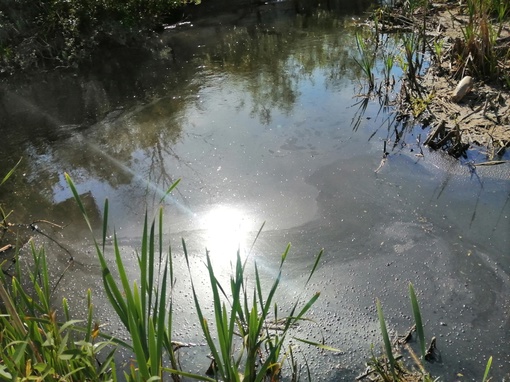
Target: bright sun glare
225,231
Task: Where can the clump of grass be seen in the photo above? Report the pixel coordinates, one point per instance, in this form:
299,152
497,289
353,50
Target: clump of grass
35,345
390,367
366,60
241,316
478,52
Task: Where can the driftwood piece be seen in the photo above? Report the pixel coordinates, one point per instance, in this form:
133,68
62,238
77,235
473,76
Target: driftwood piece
463,88
5,248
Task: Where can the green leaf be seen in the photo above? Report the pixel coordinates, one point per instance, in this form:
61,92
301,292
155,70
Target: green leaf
487,370
5,373
9,174
417,319
386,338
68,324
70,354
169,190
308,305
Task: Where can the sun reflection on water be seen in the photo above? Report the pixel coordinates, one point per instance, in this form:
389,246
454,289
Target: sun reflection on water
226,230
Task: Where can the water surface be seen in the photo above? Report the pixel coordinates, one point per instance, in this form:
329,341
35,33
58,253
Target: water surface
255,115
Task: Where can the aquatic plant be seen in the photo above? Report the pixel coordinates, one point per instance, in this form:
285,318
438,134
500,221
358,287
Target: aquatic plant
438,50
34,343
366,60
390,367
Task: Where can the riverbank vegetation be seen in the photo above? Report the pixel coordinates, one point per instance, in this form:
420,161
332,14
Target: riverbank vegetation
455,60
38,33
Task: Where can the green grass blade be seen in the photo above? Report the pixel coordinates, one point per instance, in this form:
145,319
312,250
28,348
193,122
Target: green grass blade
417,320
253,243
317,260
284,255
90,310
154,354
203,322
138,348
105,223
308,305
161,333
149,289
144,282
386,338
107,363
487,370
78,200
170,189
9,174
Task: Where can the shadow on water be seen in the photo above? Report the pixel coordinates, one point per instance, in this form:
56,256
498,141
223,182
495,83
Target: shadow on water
255,109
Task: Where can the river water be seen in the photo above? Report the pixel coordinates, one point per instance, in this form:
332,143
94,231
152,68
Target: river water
256,111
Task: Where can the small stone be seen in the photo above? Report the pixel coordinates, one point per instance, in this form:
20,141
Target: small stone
463,88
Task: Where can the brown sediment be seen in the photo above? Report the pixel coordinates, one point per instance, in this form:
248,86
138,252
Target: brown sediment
472,113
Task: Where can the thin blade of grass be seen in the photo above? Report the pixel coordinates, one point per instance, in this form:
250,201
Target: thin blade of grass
317,344
202,320
487,370
319,256
170,189
9,174
308,305
386,338
138,347
154,354
417,319
105,223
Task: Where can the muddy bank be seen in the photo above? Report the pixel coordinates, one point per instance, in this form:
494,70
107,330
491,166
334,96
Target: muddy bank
457,43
